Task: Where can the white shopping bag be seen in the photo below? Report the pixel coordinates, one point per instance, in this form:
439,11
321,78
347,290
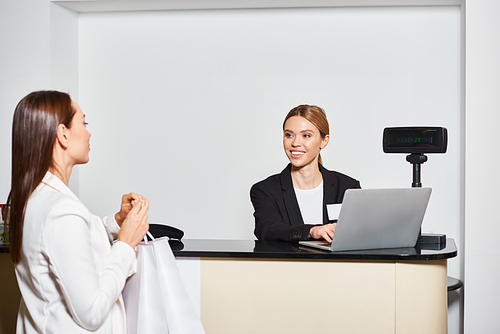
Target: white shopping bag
156,300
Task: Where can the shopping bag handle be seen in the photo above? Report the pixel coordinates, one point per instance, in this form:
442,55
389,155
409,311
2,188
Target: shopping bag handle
146,238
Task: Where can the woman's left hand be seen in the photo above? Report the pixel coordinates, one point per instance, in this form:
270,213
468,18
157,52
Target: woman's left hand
128,201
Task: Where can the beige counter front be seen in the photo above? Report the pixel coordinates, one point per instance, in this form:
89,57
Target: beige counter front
287,296
263,291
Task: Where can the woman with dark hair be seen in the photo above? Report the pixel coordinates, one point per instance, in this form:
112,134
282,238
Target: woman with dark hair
291,206
69,272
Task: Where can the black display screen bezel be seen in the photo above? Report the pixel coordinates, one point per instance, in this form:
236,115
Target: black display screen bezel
415,140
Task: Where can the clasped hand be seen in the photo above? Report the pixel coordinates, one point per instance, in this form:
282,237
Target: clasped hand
133,219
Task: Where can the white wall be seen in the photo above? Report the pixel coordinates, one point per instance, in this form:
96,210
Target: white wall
25,65
482,231
186,107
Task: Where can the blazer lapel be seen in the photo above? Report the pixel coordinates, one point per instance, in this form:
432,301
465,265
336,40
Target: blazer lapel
289,197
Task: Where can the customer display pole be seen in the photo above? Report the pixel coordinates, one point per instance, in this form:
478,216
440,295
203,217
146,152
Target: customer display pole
416,159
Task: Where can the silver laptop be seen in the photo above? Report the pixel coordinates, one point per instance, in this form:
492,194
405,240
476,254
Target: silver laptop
377,218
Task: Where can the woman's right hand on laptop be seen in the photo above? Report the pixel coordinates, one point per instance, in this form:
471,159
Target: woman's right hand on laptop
323,232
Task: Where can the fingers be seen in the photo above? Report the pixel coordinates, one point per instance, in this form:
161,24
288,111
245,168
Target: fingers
136,224
330,231
323,232
327,235
127,204
139,209
145,224
143,205
128,201
131,199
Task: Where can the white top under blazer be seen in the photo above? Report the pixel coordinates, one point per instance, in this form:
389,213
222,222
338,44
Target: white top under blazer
70,276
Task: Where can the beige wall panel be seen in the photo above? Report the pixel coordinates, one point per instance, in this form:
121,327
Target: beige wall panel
269,296
421,297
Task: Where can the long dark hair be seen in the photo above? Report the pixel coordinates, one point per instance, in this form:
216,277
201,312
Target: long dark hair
314,114
36,119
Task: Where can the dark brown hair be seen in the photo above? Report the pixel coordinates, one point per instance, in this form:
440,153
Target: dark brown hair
314,114
36,119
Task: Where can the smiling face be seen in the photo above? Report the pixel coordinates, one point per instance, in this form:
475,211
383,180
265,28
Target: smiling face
79,137
302,142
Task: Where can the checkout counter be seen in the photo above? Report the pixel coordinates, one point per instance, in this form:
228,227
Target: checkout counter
252,286
249,286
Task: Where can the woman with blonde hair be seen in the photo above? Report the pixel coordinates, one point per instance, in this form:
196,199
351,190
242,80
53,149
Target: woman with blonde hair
291,206
71,266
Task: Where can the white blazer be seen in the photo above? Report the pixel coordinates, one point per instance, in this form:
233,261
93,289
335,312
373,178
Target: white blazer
70,276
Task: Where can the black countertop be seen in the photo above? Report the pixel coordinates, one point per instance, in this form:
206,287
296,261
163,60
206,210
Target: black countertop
253,249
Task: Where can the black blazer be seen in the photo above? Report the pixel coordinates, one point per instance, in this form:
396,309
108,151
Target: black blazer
277,213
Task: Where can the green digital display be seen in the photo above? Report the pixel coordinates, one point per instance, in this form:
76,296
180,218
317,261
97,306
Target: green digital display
415,140
410,141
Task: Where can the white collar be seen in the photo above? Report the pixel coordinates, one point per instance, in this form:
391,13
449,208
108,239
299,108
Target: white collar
55,183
